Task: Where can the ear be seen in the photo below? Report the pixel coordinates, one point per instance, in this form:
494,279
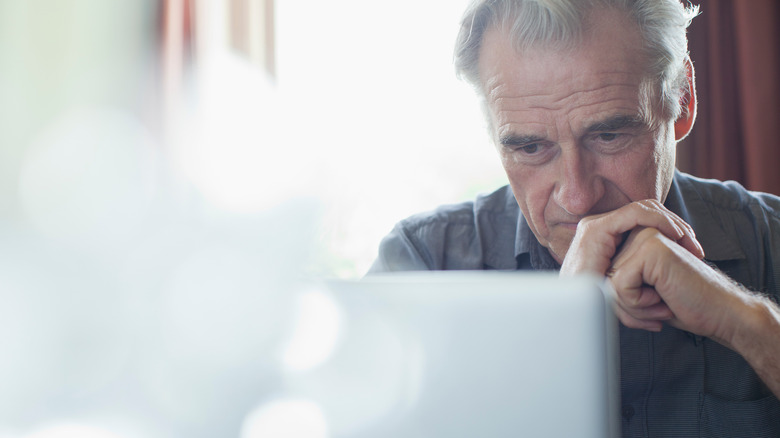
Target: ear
684,123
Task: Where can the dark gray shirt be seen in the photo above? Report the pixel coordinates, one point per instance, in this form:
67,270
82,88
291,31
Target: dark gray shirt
673,383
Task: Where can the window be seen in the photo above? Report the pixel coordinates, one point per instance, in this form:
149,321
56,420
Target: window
355,106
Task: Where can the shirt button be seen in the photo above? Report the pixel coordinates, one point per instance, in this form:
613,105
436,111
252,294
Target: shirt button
628,412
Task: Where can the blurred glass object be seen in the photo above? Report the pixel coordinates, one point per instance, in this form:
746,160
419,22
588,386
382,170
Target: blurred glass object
315,333
372,373
289,418
162,210
90,176
74,431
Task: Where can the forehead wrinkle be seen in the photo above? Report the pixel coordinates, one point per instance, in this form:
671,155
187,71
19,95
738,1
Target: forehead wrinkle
541,131
494,86
545,115
522,99
535,109
556,131
608,88
540,120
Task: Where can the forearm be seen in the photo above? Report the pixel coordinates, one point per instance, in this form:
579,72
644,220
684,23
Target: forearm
757,339
704,301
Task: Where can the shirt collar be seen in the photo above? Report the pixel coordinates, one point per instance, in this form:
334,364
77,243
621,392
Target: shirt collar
529,253
498,222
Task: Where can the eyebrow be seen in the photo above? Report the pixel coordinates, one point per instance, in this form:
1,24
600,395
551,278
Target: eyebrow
616,123
517,140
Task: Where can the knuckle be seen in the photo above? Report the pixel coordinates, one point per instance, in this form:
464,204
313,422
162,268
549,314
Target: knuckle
630,322
648,238
630,301
649,234
653,204
655,239
643,205
586,225
651,207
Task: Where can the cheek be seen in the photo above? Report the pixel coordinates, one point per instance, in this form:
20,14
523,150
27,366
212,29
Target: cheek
644,174
665,170
532,193
659,165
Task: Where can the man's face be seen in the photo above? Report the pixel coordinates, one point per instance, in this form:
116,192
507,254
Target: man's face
568,129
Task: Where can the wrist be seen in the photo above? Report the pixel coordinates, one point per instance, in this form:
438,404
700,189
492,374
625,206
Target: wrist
756,323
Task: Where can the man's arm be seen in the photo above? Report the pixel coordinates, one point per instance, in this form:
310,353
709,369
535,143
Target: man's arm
758,341
659,276
398,253
696,298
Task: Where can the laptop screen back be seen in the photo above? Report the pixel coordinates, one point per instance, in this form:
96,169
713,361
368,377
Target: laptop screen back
465,354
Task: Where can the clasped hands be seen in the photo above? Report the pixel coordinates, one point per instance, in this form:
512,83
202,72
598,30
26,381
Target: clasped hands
655,265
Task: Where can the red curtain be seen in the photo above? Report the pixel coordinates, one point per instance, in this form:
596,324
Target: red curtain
735,47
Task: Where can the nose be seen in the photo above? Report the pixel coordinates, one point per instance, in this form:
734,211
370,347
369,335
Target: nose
579,187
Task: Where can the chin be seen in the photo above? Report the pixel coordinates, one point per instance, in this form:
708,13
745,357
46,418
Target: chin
559,254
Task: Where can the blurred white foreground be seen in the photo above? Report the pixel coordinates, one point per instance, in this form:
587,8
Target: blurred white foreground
158,263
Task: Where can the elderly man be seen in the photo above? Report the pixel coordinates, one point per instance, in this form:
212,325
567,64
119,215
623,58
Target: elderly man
585,101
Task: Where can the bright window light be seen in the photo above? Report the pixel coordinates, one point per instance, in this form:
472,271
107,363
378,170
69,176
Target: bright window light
364,116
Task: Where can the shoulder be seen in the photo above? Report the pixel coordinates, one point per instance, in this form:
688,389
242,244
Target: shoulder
452,236
498,203
728,196
739,229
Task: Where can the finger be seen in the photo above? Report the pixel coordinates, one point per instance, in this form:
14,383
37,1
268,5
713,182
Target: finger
641,302
656,312
630,289
590,251
635,323
644,296
599,237
647,213
689,242
652,214
688,238
636,298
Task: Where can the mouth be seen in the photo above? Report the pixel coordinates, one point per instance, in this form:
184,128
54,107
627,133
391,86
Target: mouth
568,225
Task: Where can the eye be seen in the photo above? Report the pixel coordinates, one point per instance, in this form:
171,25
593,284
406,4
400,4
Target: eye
529,148
610,142
529,154
608,136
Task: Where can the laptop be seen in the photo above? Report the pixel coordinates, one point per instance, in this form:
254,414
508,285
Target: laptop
468,354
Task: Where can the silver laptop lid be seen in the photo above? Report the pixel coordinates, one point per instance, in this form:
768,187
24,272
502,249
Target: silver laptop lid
466,354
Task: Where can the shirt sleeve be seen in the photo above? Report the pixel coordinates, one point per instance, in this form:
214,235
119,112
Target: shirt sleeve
398,253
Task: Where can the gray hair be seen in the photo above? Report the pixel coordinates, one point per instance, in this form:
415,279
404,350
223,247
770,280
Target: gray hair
558,24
